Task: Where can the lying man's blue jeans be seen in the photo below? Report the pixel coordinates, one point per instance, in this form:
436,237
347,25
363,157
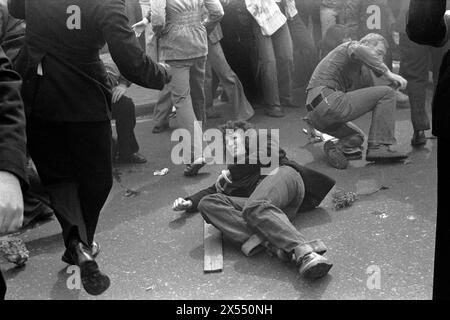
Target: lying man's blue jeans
268,212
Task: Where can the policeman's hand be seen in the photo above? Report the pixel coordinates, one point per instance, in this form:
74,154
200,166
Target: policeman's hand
222,181
139,27
118,92
399,80
181,204
11,203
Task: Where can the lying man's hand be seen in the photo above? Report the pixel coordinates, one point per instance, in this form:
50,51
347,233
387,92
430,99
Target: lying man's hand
181,204
11,203
395,78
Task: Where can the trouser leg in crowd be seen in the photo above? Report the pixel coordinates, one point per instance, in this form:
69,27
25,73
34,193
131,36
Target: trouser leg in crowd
197,83
163,107
305,51
283,50
268,212
74,163
345,107
2,287
180,89
414,67
328,18
242,110
123,111
267,67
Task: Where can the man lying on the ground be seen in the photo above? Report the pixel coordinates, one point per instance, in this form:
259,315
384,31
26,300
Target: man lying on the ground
340,91
245,203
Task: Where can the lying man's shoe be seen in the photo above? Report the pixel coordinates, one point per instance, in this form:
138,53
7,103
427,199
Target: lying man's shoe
274,111
335,157
384,153
94,251
161,128
94,281
418,138
314,266
132,158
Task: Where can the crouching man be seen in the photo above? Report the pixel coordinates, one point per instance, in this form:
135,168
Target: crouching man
341,90
254,208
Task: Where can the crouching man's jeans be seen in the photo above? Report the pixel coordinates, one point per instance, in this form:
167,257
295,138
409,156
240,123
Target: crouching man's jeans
268,212
333,116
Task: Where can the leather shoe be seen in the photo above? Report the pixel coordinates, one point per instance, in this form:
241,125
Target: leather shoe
94,250
314,266
94,281
132,158
161,128
274,111
418,138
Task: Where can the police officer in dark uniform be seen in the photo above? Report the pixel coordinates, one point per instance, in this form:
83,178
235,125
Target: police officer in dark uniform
68,102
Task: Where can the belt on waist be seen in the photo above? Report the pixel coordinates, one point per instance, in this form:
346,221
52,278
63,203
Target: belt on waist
185,17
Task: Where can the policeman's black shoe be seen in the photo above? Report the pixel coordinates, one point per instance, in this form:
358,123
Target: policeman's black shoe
334,155
94,281
132,158
384,153
161,128
274,111
314,266
94,250
418,138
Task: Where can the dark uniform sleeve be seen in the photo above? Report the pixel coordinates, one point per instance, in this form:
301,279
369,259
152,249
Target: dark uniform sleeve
426,23
12,122
125,50
196,198
16,8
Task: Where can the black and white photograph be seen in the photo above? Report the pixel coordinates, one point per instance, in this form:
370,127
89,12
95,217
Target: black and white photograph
235,152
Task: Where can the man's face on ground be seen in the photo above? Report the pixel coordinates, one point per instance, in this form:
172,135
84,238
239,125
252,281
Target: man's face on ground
235,143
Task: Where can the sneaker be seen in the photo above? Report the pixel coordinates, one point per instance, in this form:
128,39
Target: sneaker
418,138
384,153
335,157
314,266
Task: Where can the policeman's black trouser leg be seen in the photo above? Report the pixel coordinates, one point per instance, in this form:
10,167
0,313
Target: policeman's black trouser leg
441,281
2,287
74,163
123,111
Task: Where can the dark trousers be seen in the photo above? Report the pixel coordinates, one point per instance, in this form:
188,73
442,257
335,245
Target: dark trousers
414,67
268,212
305,51
441,281
2,287
123,111
73,160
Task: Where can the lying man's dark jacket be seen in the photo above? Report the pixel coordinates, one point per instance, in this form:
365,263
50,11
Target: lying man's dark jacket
246,177
427,24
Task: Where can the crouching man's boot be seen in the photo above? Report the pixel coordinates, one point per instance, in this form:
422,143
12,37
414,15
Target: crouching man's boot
311,264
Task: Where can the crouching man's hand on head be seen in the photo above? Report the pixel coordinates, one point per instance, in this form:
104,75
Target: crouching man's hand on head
222,181
11,203
139,27
118,92
398,80
181,204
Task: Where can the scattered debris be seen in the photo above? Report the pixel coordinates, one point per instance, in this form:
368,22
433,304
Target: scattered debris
162,172
129,193
382,215
411,218
14,250
343,199
407,162
152,287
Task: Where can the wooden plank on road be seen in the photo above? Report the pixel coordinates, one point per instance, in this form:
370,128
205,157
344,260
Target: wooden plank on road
212,247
